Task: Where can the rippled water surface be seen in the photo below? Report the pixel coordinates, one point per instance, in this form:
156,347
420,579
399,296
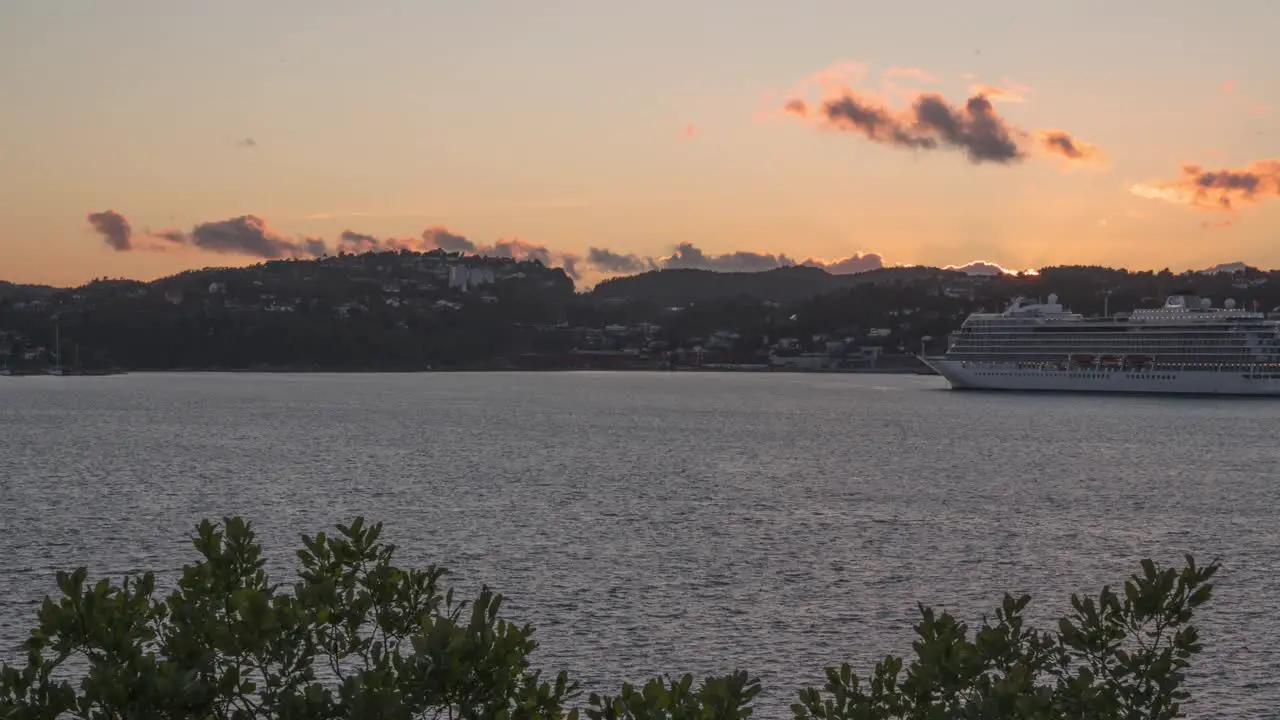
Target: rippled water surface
651,523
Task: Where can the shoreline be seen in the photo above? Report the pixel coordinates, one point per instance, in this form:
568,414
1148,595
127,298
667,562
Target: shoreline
404,371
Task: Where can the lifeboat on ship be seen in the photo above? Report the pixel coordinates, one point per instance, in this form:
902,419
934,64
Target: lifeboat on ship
1082,359
1110,360
1138,361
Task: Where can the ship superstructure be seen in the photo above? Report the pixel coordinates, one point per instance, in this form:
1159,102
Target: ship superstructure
1186,346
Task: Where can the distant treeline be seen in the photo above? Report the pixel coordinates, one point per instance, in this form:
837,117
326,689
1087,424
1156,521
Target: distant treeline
402,311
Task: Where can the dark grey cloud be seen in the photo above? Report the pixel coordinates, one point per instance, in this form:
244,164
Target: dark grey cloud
609,261
875,123
438,237
315,247
518,249
688,255
114,229
174,236
1221,189
857,263
976,128
355,242
1057,142
980,267
569,263
514,248
249,235
932,123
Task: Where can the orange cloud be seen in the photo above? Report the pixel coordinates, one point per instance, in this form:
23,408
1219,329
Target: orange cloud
1221,190
914,76
1249,105
911,73
689,131
986,267
832,78
997,93
797,107
1061,144
341,215
932,123
823,82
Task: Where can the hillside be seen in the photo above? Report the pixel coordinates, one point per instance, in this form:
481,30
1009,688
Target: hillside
669,288
407,310
376,310
8,289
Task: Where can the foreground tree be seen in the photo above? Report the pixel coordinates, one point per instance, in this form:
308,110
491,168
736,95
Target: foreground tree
361,638
1119,656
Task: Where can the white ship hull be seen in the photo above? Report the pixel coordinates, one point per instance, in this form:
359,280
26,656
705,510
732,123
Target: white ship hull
969,375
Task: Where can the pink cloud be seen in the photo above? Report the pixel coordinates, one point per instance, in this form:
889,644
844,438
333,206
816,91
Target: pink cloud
1223,189
911,73
996,93
930,122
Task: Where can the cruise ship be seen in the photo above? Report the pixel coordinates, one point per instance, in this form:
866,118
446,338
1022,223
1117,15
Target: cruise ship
1186,347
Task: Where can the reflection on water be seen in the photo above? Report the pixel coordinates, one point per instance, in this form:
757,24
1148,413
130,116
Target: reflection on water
650,523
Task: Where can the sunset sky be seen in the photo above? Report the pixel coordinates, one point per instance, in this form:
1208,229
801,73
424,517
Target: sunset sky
756,126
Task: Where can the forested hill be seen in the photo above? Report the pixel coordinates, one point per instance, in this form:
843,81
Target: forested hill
782,285
8,289
1082,286
412,310
376,310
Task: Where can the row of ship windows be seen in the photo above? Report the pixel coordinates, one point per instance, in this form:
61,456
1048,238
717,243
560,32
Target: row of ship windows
1267,338
1077,326
1095,342
1087,376
1052,355
1117,329
1048,366
1105,376
1104,347
1110,341
1123,341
